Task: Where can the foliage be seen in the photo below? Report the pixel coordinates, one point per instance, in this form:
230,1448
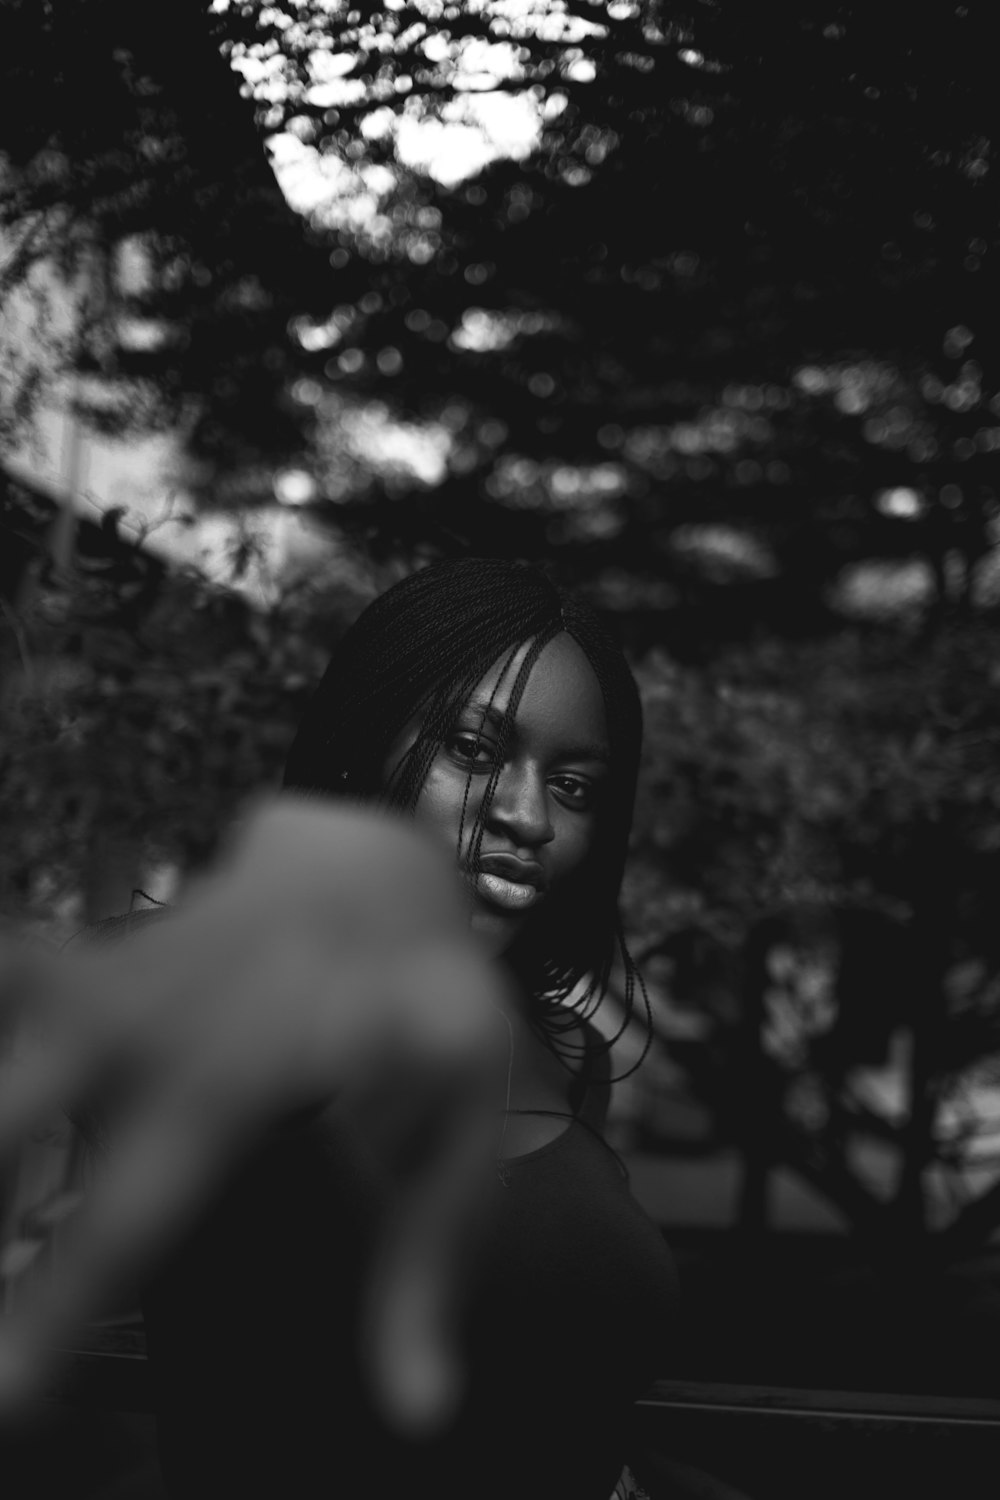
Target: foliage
816,855
728,323
810,770
130,168
716,321
143,709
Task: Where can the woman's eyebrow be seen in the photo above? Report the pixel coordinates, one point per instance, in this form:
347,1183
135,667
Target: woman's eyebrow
588,752
495,716
487,709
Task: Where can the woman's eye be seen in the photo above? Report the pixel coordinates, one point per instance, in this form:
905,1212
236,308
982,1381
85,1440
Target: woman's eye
575,790
471,748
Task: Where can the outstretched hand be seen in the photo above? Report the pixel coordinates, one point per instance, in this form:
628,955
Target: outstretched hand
326,958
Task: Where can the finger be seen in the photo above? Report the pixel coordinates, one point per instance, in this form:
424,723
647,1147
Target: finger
144,1193
27,971
440,1213
87,1015
411,1330
55,1045
34,1085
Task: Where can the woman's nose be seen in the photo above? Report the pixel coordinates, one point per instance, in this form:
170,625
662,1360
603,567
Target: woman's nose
520,807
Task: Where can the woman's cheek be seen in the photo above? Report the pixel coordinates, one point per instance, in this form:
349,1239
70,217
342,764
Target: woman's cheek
441,801
575,837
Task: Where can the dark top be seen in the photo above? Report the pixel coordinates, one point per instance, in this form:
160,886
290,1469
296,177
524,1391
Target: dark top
252,1336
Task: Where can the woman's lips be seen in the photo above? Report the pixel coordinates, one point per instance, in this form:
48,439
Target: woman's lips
511,895
507,882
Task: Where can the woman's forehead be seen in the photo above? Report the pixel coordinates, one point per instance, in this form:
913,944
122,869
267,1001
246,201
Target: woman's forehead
562,690
496,685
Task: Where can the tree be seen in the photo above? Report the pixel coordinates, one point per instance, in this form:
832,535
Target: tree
722,333
729,327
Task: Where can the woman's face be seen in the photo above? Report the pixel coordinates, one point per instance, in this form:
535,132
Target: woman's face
542,821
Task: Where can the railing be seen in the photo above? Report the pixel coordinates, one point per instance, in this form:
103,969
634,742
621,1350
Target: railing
786,1406
786,1443
108,1368
763,1442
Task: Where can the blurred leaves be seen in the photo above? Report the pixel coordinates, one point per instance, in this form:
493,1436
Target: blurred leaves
786,772
144,708
130,169
745,267
738,260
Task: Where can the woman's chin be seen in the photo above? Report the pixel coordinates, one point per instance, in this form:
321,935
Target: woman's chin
496,930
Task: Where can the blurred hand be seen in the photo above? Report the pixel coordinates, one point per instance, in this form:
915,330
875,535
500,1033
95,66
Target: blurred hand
326,958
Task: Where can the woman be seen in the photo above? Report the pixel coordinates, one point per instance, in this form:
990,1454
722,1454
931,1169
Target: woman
424,709
497,712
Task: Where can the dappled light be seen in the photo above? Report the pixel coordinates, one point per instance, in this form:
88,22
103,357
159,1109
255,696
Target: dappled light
885,590
724,551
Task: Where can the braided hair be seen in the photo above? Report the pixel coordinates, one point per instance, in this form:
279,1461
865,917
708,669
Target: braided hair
416,654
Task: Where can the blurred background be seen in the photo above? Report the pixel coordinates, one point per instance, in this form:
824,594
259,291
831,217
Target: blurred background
696,304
